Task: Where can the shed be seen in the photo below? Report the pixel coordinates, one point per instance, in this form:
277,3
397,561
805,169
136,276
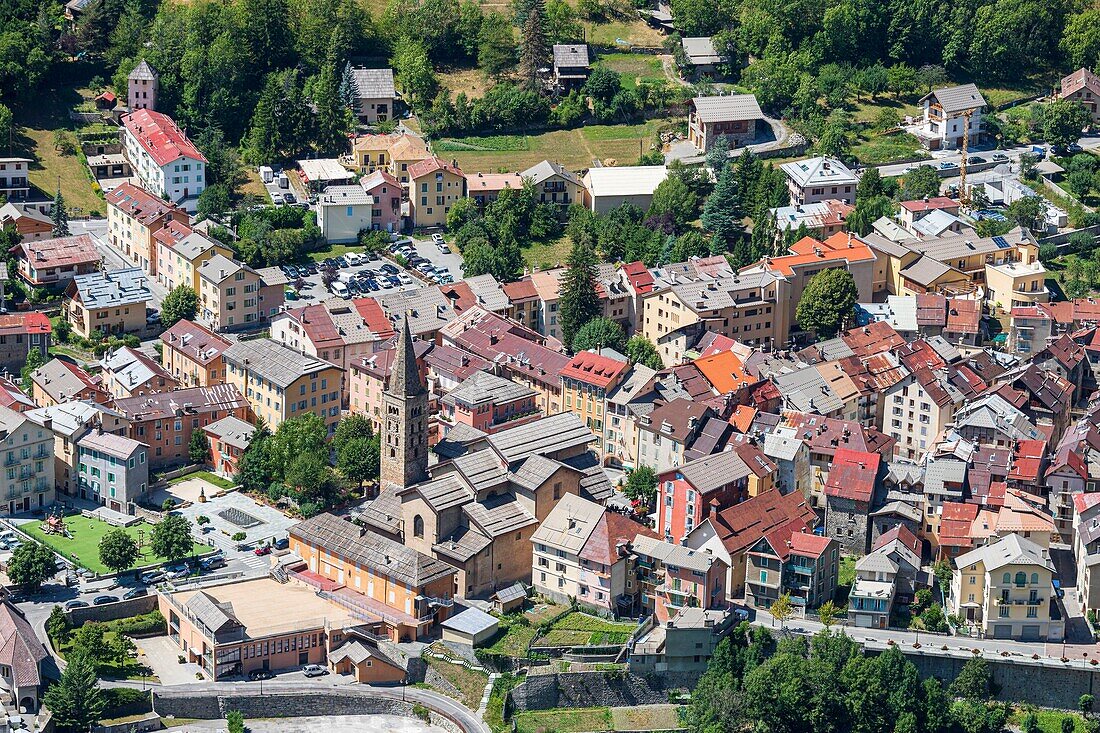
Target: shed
509,599
471,627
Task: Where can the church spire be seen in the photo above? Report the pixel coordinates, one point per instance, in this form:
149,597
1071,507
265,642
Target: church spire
405,403
404,378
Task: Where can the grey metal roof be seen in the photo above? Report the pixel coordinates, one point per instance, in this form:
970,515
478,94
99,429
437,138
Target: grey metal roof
144,71
115,445
379,554
211,614
594,482
900,508
1011,550
462,544
955,246
426,308
194,244
220,268
233,431
374,83
940,472
545,437
490,295
876,562
711,472
113,289
700,50
383,512
471,621
511,593
957,99
573,55
482,469
535,471
545,170
727,107
484,387
671,554
569,524
925,270
498,515
278,364
445,492
806,390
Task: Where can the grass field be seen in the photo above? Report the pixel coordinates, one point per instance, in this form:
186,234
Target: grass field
473,82
221,483
1050,721
564,721
545,255
580,629
470,683
622,34
575,149
874,147
646,717
514,641
634,67
83,547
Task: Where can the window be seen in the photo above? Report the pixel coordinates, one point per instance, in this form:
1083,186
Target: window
418,526
763,576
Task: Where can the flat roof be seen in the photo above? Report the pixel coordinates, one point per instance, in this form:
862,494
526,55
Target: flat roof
253,603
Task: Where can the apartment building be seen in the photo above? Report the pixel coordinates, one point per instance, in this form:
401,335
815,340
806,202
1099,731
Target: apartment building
229,439
1083,87
338,331
127,372
134,216
393,153
790,561
667,431
107,302
489,403
53,263
27,480
434,187
558,569
697,489
817,179
69,422
849,492
165,161
20,334
192,354
179,260
113,470
58,381
586,381
280,383
233,296
165,421
555,184
673,577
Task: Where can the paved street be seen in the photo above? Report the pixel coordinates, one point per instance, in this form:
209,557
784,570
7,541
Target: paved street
326,724
984,151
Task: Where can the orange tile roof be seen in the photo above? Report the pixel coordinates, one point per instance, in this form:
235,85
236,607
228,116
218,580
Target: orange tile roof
930,204
592,368
841,246
725,371
742,418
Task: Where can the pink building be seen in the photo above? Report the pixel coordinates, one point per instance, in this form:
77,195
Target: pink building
490,403
386,190
673,577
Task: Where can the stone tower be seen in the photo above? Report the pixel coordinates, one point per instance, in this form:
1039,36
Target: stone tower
405,428
143,84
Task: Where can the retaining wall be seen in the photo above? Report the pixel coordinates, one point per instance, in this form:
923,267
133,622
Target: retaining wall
595,689
113,611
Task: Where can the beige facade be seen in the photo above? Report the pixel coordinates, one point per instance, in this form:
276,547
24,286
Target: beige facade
1016,284
179,265
434,187
234,296
133,217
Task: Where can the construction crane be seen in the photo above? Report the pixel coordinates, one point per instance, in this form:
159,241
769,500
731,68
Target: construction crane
964,195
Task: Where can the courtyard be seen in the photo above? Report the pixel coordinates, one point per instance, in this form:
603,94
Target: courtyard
234,512
82,546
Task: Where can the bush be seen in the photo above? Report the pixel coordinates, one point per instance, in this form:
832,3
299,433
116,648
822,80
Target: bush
234,721
239,537
422,712
147,624
123,701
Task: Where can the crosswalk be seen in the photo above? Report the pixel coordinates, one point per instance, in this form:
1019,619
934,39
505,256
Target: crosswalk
256,563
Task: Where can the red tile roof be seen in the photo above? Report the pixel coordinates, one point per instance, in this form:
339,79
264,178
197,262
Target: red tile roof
808,544
139,204
930,204
374,317
963,315
1084,502
742,418
931,309
194,341
903,534
741,526
16,323
955,523
61,252
594,369
724,371
171,233
520,291
874,338
161,138
611,529
639,277
431,165
842,246
852,475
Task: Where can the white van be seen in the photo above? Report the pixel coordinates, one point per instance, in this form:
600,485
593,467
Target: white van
339,289
354,258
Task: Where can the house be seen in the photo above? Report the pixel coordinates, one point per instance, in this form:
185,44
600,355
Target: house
385,192
367,377
913,211
113,470
1005,590
489,403
281,383
1015,284
485,188
673,577
471,628
21,658
871,599
735,117
610,188
586,381
193,354
701,54
14,185
794,562
731,533
142,85
684,644
69,422
1086,549
949,115
107,302
818,179
665,434
53,263
27,445
20,334
1083,87
233,296
127,372
554,184
570,65
343,212
165,161
400,591
366,662
166,420
697,489
822,219
134,216
849,492
58,381
434,187
394,153
229,439
180,254
374,95
29,223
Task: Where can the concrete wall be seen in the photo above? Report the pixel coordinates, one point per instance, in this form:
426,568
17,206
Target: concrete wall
596,689
113,611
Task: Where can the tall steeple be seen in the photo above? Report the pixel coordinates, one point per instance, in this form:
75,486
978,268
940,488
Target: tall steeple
404,459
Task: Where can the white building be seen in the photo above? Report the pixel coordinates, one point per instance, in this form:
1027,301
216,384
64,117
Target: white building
819,179
609,188
342,212
164,160
27,448
945,112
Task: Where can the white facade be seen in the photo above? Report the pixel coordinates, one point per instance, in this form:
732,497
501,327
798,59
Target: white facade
179,181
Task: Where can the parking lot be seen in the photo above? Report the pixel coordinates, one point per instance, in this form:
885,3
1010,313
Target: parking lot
374,276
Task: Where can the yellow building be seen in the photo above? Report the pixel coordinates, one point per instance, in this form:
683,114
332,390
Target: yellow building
586,382
394,153
108,302
133,217
435,185
179,263
1005,590
1016,284
280,383
233,295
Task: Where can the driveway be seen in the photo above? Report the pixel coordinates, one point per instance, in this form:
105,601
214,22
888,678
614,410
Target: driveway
162,656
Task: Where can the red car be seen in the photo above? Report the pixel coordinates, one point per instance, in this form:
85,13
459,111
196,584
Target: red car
265,550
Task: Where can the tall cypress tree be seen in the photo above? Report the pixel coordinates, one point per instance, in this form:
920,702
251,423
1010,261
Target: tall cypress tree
349,88
536,49
578,303
721,213
60,216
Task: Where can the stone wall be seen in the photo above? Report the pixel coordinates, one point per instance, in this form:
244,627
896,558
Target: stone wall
590,689
113,611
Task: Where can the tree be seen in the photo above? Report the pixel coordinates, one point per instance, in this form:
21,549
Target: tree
834,142
1062,121
578,302
234,721
931,76
641,350
827,612
213,201
782,609
974,681
349,87
352,425
920,182
182,303
60,217
1029,212
359,459
673,199
1081,38
826,302
91,641
1027,165
58,627
1080,183
75,701
535,49
867,211
1085,703
722,212
641,485
5,123
118,550
34,360
31,564
602,84
1068,724
414,70
171,538
333,118
198,449
496,52
600,333
121,649
718,157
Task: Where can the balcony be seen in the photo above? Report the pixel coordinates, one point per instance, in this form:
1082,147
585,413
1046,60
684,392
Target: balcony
800,569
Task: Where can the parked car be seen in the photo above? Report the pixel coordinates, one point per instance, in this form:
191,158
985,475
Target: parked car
372,284
1058,589
152,316
404,279
212,563
444,248
314,670
389,269
104,600
437,238
277,199
282,543
975,160
134,593
1000,157
260,674
290,198
948,165
153,576
76,603
262,550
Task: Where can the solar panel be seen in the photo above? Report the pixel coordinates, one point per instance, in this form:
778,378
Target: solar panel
1001,242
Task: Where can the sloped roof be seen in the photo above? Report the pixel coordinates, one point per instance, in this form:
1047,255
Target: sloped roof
957,98
853,475
727,107
374,83
160,137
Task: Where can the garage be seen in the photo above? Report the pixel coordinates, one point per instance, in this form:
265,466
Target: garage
1031,633
1002,631
469,628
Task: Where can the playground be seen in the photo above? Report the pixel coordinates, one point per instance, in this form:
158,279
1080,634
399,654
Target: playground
77,538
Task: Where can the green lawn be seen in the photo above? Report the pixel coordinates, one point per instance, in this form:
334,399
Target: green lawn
333,250
83,547
212,478
1050,721
545,255
131,670
635,32
646,717
634,67
514,641
580,629
470,683
874,147
564,721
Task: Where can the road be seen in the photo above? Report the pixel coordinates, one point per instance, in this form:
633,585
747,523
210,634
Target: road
322,724
951,156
